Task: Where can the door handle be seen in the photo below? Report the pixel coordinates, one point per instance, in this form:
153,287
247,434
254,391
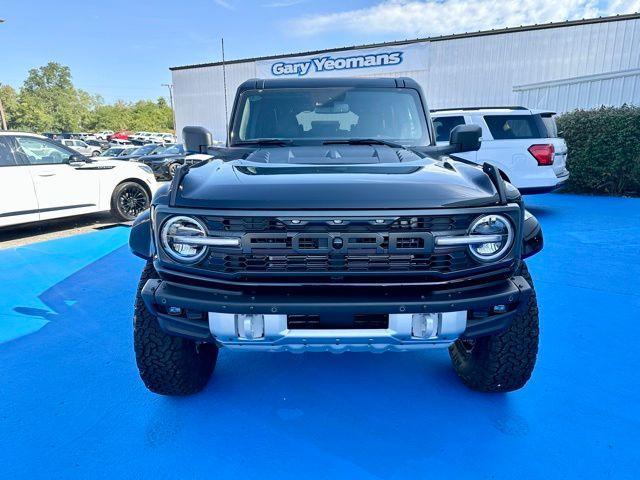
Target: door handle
46,174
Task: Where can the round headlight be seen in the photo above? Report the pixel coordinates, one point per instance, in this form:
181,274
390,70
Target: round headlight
501,231
175,235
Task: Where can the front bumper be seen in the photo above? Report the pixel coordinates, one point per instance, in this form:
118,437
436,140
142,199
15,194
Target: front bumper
213,315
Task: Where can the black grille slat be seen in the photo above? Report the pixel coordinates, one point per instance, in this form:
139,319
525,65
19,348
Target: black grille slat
285,247
239,263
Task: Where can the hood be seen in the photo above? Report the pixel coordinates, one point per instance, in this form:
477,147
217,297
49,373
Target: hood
158,157
345,177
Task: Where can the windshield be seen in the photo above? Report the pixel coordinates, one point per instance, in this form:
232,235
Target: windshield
177,149
314,115
143,150
112,152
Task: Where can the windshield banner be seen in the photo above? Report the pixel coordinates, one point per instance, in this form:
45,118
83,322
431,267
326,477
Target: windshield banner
371,61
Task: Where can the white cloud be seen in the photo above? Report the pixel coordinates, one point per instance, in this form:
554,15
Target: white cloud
224,4
418,18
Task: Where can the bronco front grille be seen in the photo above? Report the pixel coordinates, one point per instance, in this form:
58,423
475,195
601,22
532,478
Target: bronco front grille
349,247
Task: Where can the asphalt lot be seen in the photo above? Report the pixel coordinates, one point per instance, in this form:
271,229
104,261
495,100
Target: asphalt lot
60,228
72,405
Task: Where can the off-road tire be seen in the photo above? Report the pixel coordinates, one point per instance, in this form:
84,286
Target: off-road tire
168,365
119,211
502,362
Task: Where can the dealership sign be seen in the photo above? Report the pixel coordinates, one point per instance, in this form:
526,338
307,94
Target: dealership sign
353,62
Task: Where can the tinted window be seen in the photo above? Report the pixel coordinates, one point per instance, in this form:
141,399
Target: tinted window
549,122
6,157
41,152
509,127
444,125
318,114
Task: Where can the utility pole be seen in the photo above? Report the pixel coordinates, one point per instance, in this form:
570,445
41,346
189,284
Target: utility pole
173,110
3,119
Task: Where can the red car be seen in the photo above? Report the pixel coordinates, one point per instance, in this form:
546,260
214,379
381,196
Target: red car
119,135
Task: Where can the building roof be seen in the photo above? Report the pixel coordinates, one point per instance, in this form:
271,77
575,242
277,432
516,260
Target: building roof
525,28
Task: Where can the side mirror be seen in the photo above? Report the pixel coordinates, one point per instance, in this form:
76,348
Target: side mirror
76,160
196,139
465,138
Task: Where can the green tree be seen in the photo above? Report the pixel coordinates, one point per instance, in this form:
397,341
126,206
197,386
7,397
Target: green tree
48,101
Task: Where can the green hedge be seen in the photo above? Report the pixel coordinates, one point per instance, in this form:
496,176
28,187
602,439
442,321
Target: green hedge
604,150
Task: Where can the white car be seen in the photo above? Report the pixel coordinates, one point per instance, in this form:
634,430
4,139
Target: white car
42,180
81,147
140,136
103,135
522,143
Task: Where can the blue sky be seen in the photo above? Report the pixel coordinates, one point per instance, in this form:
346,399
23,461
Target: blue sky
123,49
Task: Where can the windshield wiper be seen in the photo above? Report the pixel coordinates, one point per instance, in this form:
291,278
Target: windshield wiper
364,141
265,141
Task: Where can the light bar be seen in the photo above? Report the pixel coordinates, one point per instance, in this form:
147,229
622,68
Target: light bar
207,241
467,240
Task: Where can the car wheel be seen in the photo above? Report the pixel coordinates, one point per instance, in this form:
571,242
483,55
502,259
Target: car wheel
95,153
173,168
129,199
502,362
168,365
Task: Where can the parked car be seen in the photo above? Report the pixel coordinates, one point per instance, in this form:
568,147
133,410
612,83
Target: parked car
119,135
521,142
138,151
117,152
119,142
139,138
340,226
82,147
42,179
165,161
101,144
104,134
162,138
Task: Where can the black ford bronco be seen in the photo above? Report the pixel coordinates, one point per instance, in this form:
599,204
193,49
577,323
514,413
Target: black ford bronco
332,222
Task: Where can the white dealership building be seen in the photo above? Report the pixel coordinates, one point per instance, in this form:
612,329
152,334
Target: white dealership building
558,66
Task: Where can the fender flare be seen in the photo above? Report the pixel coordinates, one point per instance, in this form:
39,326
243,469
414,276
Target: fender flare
140,238
532,239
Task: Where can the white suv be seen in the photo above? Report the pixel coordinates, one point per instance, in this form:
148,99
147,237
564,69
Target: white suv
103,135
522,143
41,179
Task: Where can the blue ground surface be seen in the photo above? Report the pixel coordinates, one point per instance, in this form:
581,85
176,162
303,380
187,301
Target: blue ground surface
71,403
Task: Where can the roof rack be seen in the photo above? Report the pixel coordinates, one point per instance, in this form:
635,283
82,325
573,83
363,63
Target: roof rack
505,107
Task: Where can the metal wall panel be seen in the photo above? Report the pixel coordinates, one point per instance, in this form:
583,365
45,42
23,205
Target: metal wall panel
591,91
473,71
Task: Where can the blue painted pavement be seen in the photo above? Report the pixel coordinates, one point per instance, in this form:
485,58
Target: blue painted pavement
72,405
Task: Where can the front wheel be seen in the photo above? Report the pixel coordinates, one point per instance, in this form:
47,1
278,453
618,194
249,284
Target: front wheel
502,362
95,153
168,365
173,168
129,199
